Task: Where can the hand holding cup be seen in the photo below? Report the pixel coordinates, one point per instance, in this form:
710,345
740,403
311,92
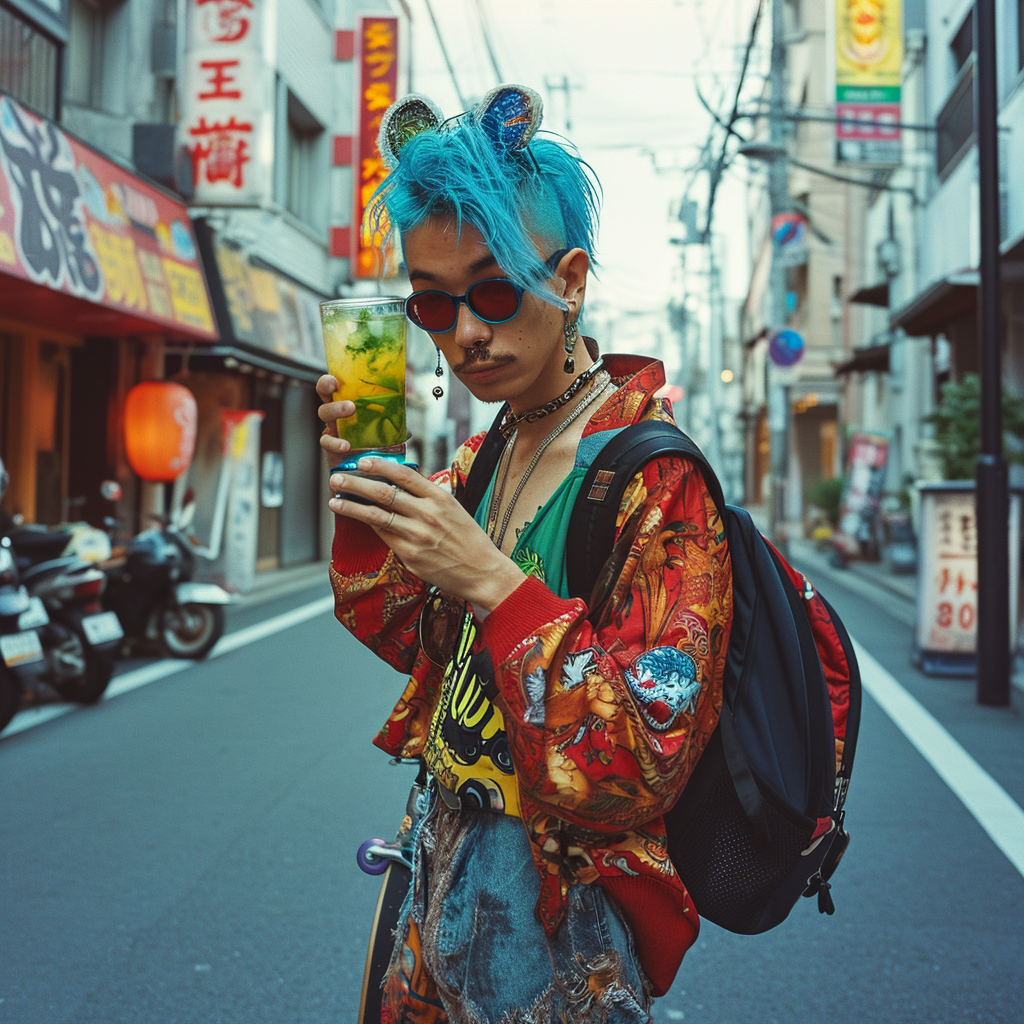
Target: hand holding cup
330,412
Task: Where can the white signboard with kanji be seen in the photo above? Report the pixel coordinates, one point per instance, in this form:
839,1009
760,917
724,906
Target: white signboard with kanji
947,608
226,104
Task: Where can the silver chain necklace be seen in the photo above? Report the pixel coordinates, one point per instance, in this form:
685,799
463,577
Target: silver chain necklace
603,380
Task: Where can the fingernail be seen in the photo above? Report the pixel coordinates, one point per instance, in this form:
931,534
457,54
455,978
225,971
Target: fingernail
337,482
366,465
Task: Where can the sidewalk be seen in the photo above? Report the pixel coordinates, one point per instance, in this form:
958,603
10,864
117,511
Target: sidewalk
273,583
896,594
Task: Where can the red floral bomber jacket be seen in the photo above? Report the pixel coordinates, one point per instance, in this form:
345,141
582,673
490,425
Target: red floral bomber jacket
620,737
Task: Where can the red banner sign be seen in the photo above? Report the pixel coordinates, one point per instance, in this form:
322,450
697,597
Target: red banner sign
77,223
378,86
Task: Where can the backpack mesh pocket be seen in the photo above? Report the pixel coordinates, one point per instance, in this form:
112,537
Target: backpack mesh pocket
730,878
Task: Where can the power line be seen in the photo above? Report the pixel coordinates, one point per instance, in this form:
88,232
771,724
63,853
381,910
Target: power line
719,167
485,31
444,53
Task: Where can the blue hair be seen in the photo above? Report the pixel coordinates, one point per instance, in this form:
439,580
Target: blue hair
546,190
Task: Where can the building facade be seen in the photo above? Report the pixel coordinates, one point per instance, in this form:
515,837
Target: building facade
253,123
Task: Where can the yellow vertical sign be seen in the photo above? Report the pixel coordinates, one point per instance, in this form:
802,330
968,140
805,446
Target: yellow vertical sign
869,79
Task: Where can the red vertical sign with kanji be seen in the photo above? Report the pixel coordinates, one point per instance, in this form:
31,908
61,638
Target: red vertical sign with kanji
224,103
377,53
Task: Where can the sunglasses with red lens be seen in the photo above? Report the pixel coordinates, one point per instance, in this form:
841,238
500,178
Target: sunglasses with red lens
494,301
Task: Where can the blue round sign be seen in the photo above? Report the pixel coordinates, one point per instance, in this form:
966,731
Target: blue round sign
786,348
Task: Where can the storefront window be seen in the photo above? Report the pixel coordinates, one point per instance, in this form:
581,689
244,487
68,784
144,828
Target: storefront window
28,64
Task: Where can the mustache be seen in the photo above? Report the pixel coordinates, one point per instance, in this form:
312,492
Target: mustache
482,355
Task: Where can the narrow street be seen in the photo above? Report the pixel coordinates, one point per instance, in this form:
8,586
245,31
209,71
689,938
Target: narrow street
185,852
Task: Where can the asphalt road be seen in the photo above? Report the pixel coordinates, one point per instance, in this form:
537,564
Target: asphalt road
185,852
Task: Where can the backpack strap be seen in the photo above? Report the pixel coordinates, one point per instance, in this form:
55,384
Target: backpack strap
592,524
485,462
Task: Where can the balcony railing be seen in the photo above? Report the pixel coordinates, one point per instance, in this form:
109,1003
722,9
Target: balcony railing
955,123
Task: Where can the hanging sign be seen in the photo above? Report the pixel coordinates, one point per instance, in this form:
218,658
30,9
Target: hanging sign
226,107
869,79
786,347
376,91
75,222
789,235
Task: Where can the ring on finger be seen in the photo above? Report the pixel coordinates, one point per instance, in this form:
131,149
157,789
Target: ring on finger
390,522
394,495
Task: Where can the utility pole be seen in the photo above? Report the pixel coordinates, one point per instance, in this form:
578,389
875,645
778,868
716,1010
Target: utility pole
991,492
778,199
562,85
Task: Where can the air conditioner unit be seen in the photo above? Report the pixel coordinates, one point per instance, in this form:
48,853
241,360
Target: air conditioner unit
164,50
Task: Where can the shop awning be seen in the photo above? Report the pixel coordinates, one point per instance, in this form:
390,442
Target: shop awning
872,295
271,320
871,359
947,299
88,247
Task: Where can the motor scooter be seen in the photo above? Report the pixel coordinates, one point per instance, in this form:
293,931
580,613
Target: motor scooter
58,641
21,651
151,589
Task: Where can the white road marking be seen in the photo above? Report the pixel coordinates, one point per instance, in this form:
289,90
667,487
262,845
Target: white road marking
36,716
169,666
144,675
263,629
991,806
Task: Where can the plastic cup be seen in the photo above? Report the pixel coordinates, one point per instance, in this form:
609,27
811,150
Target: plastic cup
364,340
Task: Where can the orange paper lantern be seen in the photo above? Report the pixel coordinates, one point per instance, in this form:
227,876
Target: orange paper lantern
160,420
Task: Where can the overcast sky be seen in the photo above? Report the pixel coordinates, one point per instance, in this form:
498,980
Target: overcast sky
632,66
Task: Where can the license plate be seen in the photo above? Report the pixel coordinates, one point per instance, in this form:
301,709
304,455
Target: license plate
21,648
102,628
35,616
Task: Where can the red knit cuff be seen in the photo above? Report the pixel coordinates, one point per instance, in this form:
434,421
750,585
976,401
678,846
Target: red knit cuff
529,607
357,548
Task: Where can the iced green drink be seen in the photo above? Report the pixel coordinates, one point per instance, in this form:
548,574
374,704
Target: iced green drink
364,340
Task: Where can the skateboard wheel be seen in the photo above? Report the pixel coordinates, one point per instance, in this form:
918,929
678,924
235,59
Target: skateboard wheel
370,862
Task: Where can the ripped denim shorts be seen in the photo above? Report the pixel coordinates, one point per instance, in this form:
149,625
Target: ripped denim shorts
473,896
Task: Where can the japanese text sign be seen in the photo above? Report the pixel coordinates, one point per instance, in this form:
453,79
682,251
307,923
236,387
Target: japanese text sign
869,78
268,311
377,88
77,223
947,609
226,103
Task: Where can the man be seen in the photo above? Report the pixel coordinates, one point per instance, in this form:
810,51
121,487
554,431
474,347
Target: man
556,735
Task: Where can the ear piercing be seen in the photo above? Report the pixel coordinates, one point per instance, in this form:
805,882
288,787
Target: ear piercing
572,335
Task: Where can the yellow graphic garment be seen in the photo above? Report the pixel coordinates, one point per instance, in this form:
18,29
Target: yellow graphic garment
467,749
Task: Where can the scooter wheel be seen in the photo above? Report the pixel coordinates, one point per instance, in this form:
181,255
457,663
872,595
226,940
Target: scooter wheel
368,862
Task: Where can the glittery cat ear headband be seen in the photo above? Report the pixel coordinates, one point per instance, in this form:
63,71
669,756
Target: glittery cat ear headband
509,115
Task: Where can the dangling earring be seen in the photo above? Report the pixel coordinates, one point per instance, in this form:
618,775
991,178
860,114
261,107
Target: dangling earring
438,392
572,335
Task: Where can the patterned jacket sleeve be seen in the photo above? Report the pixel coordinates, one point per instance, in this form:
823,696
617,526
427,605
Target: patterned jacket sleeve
375,597
607,720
